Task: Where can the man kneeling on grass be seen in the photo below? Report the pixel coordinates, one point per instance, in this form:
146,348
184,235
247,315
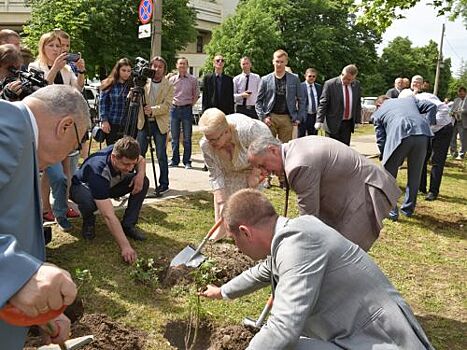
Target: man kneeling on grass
110,173
328,293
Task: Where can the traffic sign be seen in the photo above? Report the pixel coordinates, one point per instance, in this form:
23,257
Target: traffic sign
145,10
144,31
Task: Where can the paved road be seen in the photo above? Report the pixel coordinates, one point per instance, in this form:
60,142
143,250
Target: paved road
185,182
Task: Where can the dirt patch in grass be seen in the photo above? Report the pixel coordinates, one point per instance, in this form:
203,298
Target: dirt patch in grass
230,262
108,334
176,331
231,338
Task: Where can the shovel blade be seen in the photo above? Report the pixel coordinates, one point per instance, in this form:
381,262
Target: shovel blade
183,258
71,344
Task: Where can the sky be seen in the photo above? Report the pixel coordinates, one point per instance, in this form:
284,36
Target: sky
421,25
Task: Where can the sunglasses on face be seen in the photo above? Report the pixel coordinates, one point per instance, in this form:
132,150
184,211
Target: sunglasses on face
219,60
312,76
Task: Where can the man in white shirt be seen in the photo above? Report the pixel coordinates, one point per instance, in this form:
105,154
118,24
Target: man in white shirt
246,86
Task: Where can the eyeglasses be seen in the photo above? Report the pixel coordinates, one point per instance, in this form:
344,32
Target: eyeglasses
219,60
77,137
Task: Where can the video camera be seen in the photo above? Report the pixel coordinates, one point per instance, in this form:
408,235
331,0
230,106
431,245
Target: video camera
141,72
31,80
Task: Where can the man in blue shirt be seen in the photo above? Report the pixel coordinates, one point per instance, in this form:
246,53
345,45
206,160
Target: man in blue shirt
107,174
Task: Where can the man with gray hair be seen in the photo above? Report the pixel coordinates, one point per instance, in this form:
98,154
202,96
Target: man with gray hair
39,131
339,106
328,293
416,86
333,182
396,90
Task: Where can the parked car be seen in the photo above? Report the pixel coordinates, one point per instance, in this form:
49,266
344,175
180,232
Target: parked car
368,108
91,94
197,110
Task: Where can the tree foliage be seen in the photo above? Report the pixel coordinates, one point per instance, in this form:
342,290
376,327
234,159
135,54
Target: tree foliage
380,14
106,30
315,33
400,59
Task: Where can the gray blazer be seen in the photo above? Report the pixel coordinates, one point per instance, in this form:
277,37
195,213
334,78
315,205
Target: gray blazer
325,287
460,114
399,118
340,186
331,105
267,96
22,248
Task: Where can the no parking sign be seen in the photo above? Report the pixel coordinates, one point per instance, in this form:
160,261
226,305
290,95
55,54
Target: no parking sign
145,11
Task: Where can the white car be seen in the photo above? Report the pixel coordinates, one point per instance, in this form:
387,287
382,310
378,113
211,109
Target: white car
91,94
368,108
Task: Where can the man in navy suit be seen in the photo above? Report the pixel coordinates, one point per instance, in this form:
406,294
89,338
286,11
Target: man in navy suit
402,127
311,93
218,88
339,106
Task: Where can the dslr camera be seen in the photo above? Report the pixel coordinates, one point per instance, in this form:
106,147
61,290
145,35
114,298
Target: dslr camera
31,81
141,72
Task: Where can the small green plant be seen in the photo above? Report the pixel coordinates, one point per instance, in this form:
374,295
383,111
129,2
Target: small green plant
82,276
205,274
146,272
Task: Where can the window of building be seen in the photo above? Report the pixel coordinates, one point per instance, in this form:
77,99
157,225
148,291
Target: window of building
199,44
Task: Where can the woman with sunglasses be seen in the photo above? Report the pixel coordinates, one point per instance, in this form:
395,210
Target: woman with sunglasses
225,147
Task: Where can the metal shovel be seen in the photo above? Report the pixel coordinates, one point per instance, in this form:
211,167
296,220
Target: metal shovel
190,256
249,322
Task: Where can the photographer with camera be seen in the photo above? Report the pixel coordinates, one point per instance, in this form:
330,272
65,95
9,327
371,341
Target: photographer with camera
53,62
158,94
114,92
10,85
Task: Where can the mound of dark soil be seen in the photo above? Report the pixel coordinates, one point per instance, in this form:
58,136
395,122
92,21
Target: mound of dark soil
108,334
231,338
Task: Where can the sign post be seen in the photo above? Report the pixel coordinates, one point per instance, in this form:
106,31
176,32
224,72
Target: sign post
151,11
157,29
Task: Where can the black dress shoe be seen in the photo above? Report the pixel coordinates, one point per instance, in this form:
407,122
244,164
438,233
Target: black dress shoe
431,196
134,233
88,232
205,168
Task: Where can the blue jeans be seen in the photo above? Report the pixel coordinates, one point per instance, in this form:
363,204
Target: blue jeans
58,184
181,117
161,151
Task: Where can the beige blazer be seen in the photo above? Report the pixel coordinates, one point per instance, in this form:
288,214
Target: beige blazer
160,107
340,186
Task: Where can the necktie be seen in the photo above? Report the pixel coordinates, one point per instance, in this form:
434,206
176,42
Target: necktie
218,87
246,88
312,98
346,103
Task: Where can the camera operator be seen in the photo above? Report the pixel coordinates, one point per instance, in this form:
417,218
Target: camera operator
159,94
10,85
114,92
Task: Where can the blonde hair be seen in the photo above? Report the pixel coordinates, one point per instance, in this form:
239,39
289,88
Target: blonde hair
280,53
45,40
213,119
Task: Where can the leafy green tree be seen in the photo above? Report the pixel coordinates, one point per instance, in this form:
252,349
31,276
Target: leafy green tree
380,14
106,30
400,59
315,33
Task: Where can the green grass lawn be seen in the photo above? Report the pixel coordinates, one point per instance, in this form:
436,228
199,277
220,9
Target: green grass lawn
424,256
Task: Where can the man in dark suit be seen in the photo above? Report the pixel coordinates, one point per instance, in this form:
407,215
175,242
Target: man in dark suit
218,88
396,90
311,93
339,106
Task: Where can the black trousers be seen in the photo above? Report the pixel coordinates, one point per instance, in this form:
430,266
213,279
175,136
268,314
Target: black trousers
307,127
343,135
251,112
438,151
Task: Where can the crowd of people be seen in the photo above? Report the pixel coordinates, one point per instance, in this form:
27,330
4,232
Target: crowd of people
248,126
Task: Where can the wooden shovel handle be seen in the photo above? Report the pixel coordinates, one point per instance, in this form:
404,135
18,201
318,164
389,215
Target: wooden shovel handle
214,228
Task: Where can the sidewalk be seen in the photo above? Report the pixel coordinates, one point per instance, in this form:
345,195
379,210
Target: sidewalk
185,182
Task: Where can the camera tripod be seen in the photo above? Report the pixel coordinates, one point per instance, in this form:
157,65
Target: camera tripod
135,100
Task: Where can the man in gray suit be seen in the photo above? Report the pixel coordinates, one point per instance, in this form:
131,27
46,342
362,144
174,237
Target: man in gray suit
402,129
37,132
340,106
333,182
328,293
280,100
459,112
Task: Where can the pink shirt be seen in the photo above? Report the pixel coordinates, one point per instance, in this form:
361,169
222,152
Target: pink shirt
186,90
